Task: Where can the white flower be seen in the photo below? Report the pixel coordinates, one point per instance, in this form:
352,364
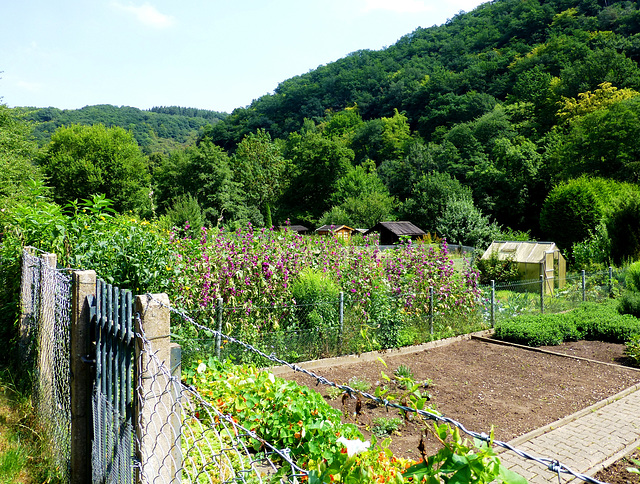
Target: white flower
354,446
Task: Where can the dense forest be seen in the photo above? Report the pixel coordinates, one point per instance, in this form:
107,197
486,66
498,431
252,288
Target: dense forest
519,119
161,129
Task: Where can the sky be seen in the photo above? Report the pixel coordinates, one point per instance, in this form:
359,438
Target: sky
207,54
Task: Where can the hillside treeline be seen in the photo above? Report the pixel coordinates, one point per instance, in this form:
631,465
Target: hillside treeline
162,128
519,119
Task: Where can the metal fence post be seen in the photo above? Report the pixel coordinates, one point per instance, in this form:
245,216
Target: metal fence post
84,284
610,281
584,287
431,309
341,317
542,293
157,426
219,335
493,303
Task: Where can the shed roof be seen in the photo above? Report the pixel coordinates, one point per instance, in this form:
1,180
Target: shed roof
527,252
334,228
398,228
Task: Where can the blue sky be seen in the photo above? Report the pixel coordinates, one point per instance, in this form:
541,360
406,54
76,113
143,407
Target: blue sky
209,54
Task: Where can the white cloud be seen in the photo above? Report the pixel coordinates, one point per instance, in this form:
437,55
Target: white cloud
401,6
147,14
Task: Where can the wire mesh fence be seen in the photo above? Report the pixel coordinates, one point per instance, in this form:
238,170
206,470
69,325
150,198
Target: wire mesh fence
183,438
45,339
508,300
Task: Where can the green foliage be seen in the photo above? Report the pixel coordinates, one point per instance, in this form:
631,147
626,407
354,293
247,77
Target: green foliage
185,217
538,330
592,321
622,222
384,426
460,461
17,150
629,303
496,269
403,371
574,209
463,223
160,129
632,277
304,422
359,384
83,161
632,349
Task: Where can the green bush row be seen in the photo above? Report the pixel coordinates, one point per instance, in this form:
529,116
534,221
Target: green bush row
592,321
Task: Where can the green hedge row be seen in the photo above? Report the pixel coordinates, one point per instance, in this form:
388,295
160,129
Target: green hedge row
592,321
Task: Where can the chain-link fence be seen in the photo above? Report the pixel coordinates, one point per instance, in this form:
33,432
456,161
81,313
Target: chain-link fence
45,338
182,437
507,300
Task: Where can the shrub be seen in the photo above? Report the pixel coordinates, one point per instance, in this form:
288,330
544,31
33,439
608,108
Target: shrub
629,303
632,277
496,269
537,330
632,349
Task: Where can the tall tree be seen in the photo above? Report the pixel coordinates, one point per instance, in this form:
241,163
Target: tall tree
260,168
82,161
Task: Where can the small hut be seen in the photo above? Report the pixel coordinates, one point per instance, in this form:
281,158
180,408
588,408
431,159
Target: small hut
534,259
340,231
301,229
390,232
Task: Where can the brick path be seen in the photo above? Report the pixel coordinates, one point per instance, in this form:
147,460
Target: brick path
585,442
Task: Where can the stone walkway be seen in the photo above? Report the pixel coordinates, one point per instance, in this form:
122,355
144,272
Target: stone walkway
584,442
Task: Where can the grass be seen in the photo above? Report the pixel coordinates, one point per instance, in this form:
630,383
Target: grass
21,457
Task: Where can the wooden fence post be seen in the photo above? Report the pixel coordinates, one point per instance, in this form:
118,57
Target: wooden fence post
157,426
84,284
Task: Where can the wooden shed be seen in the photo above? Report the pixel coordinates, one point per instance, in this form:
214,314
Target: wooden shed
301,229
340,231
390,232
534,259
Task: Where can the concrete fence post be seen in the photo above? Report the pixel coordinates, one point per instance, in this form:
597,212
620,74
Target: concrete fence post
84,285
157,425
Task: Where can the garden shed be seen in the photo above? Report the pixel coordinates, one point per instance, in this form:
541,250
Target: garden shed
341,231
301,229
390,232
534,259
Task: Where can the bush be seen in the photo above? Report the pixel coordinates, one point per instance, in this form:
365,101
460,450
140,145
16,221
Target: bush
496,269
632,277
629,303
537,330
591,321
632,349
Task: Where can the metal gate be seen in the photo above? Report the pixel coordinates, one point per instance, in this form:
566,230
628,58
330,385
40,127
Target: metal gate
112,331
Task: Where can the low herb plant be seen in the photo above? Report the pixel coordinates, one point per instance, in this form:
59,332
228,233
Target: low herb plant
385,426
359,384
632,349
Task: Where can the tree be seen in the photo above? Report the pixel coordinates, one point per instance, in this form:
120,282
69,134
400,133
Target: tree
462,223
82,161
259,168
17,151
429,199
318,164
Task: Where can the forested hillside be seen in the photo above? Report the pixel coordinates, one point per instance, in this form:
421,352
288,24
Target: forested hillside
159,129
519,119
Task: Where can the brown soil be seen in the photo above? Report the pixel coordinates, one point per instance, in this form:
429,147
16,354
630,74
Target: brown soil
484,385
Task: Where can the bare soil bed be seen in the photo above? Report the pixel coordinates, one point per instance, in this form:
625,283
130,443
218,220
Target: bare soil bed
484,385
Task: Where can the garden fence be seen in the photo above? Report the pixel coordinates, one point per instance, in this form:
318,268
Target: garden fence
175,434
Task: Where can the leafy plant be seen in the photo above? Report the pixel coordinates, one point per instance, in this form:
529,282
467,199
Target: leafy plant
497,269
632,277
384,426
403,371
359,384
632,349
459,461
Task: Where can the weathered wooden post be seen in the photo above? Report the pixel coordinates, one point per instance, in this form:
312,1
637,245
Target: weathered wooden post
84,284
157,425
